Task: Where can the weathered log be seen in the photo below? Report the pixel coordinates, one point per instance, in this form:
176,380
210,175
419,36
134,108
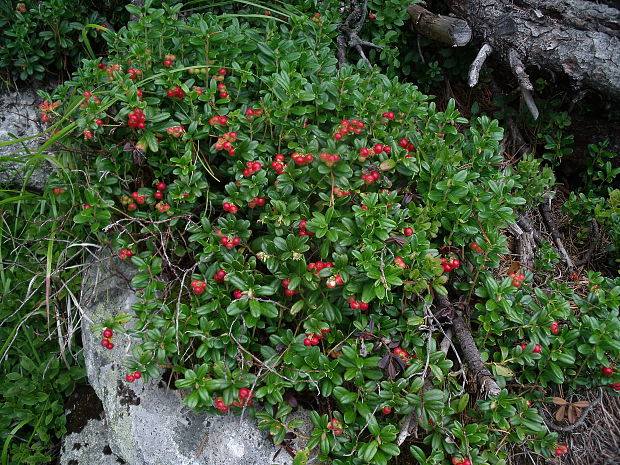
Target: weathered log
578,38
445,29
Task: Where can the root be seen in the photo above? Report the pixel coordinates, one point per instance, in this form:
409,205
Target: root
595,236
545,211
349,31
476,65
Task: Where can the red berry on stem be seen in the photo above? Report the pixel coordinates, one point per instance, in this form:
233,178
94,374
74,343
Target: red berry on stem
408,231
107,333
607,371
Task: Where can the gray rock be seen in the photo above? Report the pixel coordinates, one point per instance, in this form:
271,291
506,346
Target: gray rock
19,118
147,423
88,447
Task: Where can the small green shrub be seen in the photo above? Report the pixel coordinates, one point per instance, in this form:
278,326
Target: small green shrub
288,222
46,36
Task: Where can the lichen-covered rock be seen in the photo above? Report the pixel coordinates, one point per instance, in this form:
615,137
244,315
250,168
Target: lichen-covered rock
147,422
18,119
88,447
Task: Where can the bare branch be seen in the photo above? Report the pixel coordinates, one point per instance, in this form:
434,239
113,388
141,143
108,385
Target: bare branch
476,65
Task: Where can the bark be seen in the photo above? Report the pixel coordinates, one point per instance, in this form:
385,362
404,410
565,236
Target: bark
444,29
578,38
471,354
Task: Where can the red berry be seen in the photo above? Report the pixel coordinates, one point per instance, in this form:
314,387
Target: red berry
446,268
386,409
307,342
244,393
363,305
408,231
198,289
607,371
455,263
161,186
107,333
110,345
130,378
536,349
137,375
105,343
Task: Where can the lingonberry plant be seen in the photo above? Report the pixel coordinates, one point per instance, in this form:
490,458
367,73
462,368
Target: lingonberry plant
294,228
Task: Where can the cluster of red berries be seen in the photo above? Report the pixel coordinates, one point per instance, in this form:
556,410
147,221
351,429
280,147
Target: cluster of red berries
366,152
554,327
58,191
162,207
287,291
223,93
87,96
245,398
139,198
221,120
329,160
251,112
536,350
400,263
176,131
318,266
406,144
219,275
177,92
517,279
460,461
198,286
169,60
451,265
257,202
252,167
278,163
301,159
229,207
125,253
134,73
561,449
334,281
225,142
607,371
111,69
340,193
349,127
131,377
335,426
107,339
313,339
230,243
371,177
159,193
402,354
137,119
315,18
304,232
355,305
388,115
475,247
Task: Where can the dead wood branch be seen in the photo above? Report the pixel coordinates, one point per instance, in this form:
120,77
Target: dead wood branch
445,29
